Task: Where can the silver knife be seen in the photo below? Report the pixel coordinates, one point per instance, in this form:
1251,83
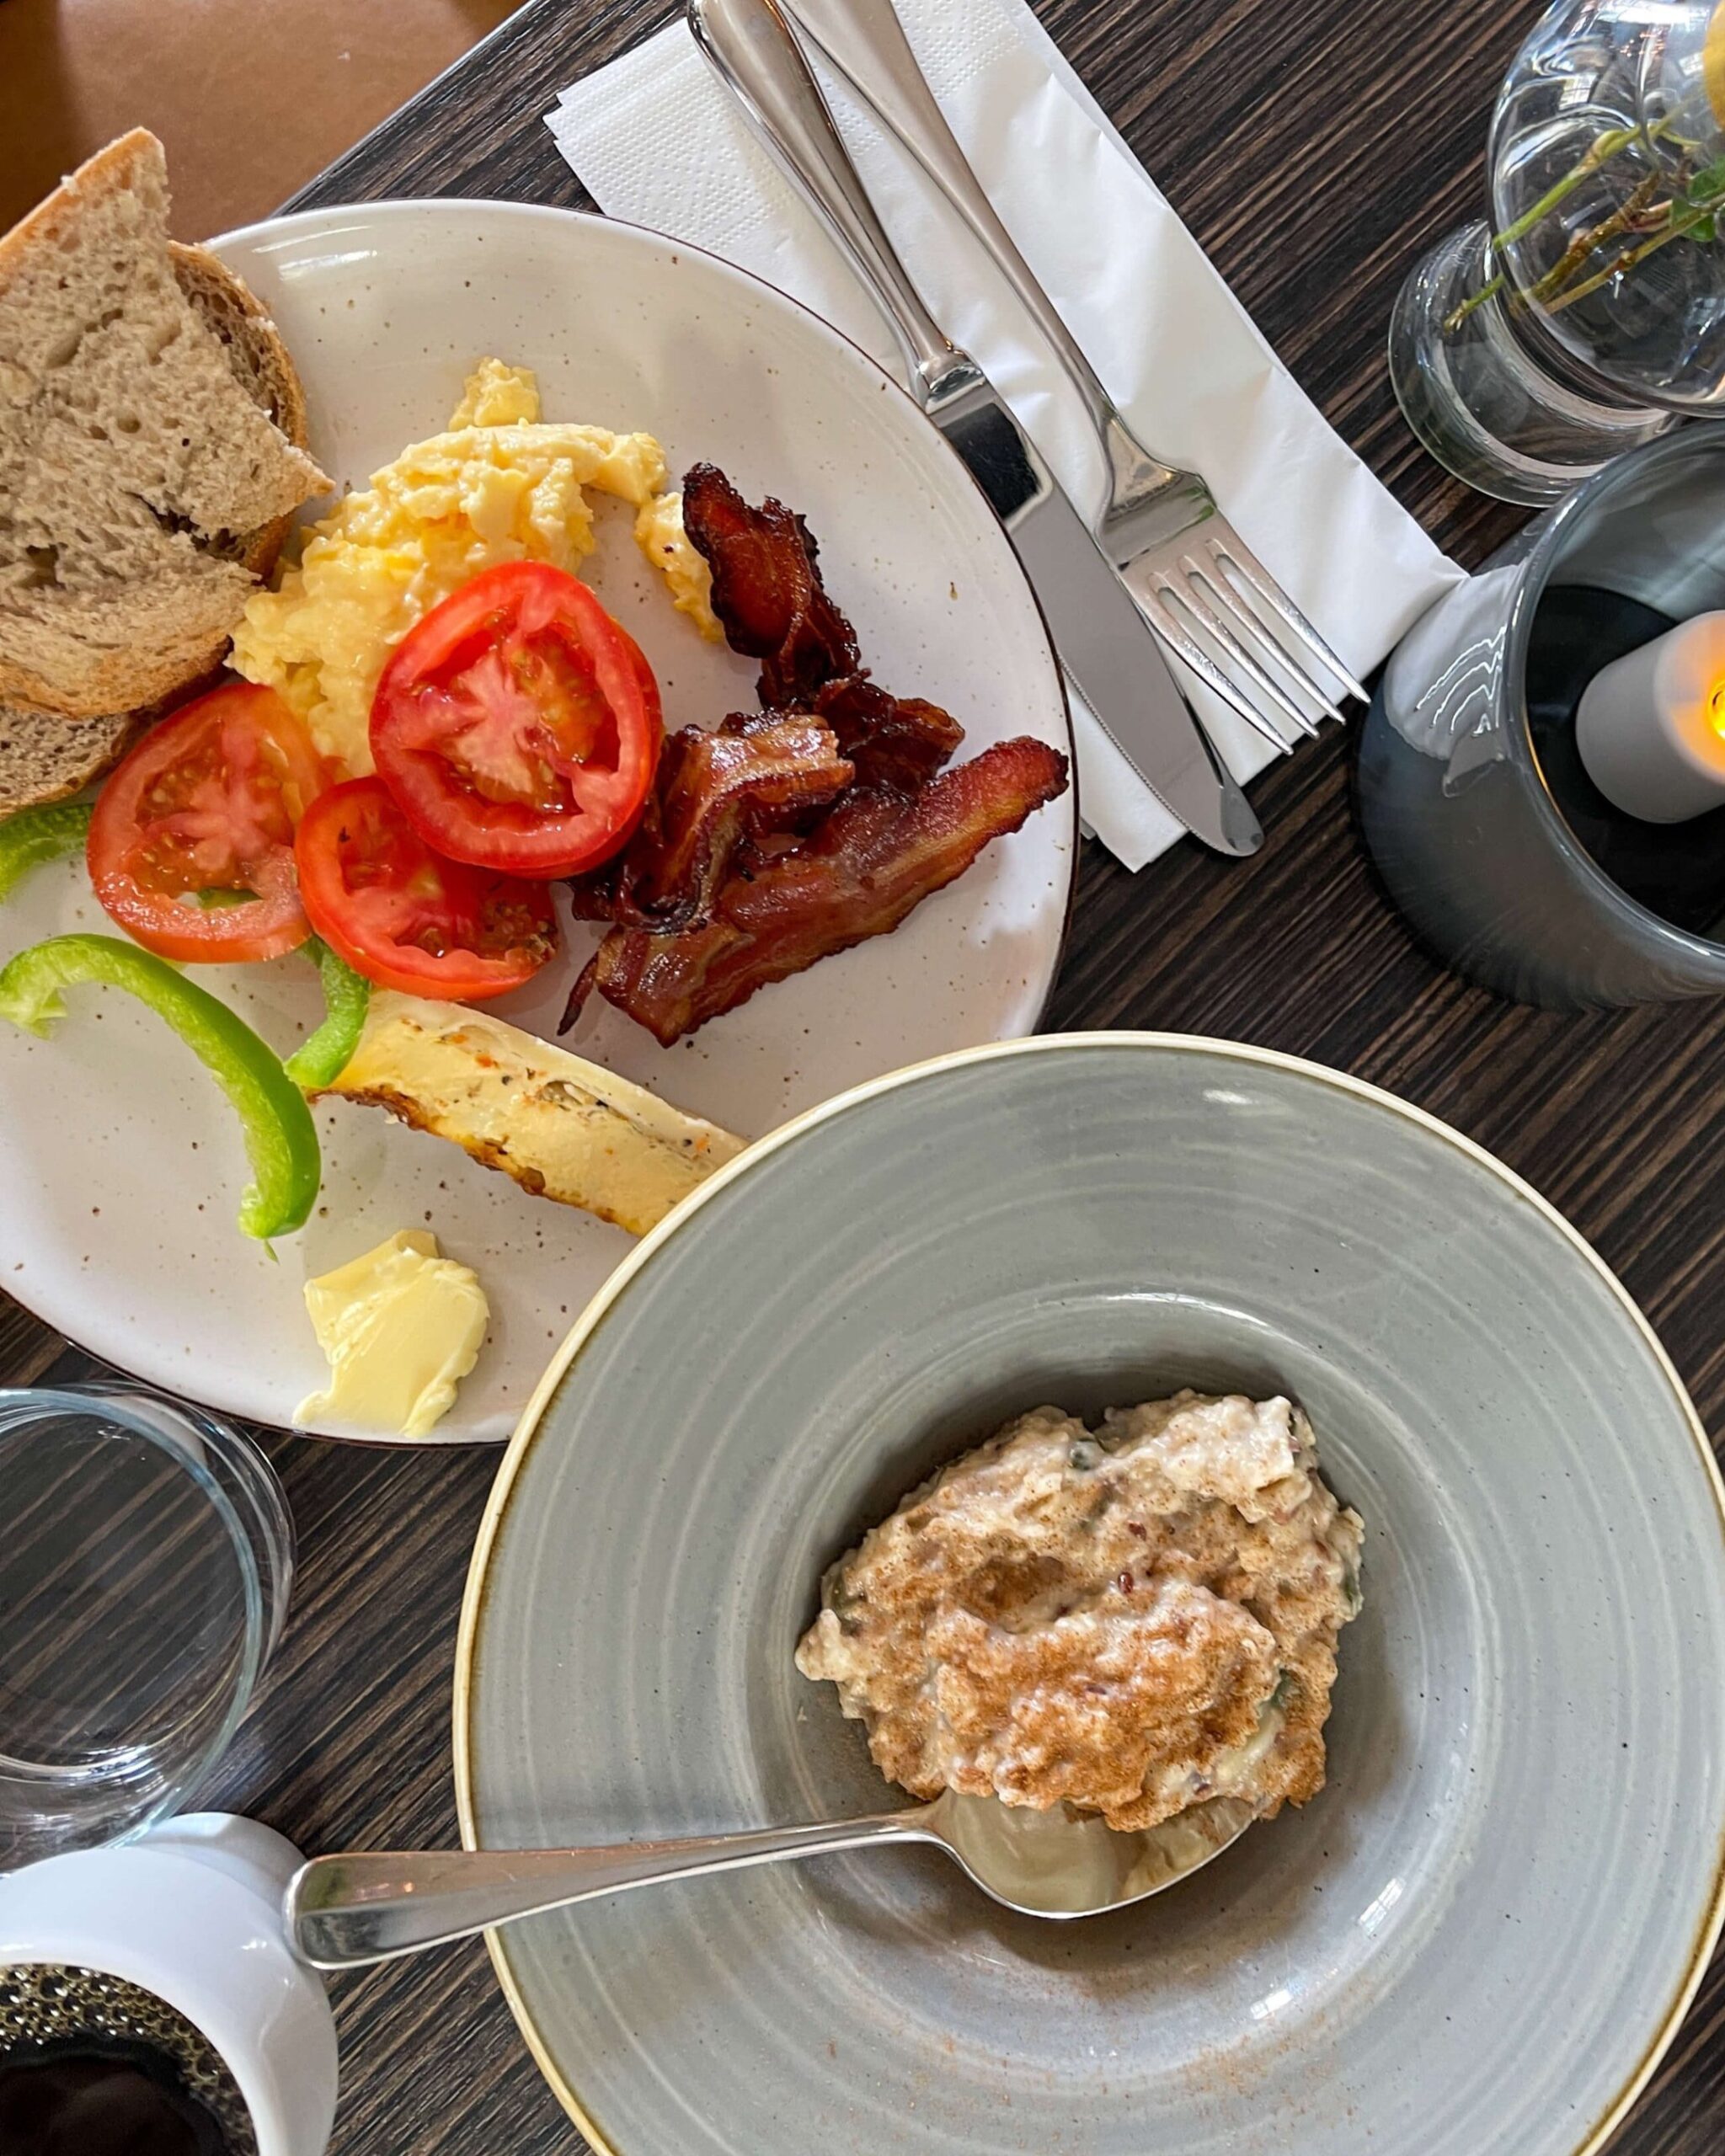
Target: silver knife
1110,650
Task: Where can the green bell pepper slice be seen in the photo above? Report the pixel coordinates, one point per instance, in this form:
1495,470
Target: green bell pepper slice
322,1056
48,832
281,1137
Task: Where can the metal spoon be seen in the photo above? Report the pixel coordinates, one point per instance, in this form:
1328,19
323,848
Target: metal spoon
345,1911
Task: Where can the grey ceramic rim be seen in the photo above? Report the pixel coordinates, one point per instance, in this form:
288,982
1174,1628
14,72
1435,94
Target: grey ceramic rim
1711,1918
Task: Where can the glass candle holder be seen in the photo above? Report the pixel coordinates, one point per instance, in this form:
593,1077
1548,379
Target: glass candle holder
1489,832
144,1571
1585,313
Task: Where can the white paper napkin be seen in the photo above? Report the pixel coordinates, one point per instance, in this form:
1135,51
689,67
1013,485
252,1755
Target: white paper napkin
659,142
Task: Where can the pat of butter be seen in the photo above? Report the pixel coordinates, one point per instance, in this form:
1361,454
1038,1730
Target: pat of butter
402,1327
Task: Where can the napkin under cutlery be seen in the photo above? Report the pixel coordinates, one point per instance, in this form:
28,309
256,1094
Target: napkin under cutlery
657,141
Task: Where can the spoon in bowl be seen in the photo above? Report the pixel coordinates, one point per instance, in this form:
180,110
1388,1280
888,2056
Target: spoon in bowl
344,1911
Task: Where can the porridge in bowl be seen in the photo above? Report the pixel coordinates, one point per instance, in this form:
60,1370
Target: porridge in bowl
1128,1620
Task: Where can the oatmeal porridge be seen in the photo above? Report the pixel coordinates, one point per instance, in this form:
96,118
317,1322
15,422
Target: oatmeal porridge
1129,1619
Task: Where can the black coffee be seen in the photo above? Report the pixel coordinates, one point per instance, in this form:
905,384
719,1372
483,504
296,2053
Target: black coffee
91,2066
87,2103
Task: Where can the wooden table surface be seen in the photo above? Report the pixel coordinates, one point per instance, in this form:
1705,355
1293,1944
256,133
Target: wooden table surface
1315,148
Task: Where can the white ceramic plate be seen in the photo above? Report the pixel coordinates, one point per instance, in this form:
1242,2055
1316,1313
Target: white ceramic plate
121,1162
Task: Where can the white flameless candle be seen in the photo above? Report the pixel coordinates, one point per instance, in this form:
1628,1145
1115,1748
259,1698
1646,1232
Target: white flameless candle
1651,726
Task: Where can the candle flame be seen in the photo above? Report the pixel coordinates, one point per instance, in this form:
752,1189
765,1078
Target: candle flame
1716,707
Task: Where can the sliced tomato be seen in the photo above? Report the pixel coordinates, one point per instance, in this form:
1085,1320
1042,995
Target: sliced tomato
519,725
405,918
191,844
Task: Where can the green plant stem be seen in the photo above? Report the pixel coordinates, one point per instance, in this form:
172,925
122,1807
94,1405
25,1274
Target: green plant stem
1604,149
1456,316
1697,214
1586,243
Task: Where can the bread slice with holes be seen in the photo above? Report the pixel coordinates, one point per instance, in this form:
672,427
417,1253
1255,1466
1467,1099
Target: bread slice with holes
152,446
46,759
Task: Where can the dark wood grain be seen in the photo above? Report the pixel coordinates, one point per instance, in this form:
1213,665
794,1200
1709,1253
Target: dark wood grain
1315,148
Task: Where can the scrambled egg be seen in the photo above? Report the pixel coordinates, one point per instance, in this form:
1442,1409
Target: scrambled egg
659,535
495,395
500,485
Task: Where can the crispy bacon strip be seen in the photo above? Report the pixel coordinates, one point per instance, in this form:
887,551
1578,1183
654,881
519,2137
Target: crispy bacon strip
870,862
896,742
766,591
796,832
759,771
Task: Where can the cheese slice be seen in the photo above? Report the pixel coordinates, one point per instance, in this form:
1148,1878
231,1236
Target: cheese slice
402,1327
564,1128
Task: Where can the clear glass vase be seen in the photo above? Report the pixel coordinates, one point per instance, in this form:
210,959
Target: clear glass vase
1586,314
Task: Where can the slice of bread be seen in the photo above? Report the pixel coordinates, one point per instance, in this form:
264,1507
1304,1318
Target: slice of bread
150,446
47,759
44,757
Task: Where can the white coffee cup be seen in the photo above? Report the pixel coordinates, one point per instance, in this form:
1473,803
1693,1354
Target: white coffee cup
192,1912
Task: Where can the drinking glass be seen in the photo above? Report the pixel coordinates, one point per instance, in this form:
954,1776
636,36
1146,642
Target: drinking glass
1586,314
146,1560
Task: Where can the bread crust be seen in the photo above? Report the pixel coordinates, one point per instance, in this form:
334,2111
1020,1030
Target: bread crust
111,171
233,311
125,680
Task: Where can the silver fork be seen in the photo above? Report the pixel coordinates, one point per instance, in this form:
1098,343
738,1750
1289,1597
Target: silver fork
1184,562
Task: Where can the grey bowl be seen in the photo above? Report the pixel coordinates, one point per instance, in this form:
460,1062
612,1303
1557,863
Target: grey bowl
1474,1942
